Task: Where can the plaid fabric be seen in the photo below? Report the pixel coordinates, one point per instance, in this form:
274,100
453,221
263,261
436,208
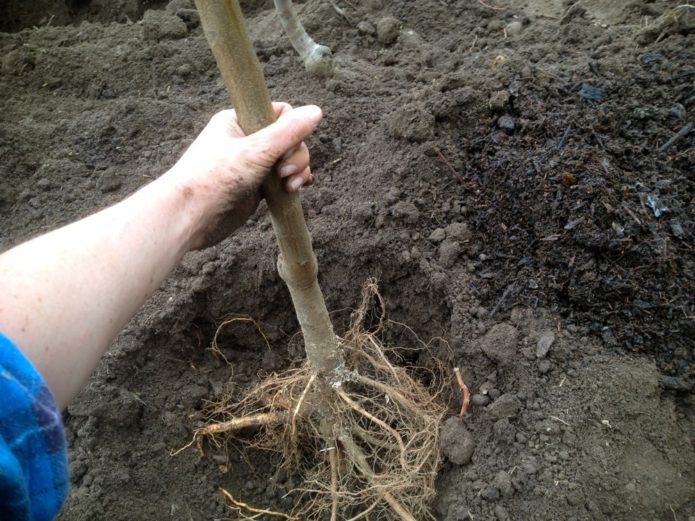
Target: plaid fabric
33,455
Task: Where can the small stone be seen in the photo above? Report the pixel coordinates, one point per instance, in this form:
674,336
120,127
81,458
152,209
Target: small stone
458,232
480,400
506,123
387,30
514,28
544,343
456,441
506,406
438,235
503,483
449,252
499,100
366,28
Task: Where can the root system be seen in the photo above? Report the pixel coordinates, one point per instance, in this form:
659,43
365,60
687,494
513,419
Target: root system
367,445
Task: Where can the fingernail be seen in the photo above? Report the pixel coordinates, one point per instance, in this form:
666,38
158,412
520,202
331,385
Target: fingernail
296,184
288,170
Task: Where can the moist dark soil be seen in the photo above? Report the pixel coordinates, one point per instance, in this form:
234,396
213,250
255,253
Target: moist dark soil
518,176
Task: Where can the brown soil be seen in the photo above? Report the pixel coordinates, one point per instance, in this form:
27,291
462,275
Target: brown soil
461,165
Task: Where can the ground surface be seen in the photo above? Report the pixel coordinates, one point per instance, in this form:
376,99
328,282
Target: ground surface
483,115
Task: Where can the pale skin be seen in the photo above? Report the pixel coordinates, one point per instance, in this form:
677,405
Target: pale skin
64,296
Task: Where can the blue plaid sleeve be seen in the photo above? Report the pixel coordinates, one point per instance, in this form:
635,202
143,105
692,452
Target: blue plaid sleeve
33,455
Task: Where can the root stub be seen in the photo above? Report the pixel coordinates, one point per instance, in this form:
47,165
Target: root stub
365,446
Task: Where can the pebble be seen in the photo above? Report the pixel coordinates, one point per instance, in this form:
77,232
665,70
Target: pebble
480,400
544,343
387,30
506,406
514,28
438,235
506,123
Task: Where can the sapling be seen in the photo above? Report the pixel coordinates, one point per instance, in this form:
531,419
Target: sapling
360,431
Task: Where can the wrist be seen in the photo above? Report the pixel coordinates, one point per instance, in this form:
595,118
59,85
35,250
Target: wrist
182,207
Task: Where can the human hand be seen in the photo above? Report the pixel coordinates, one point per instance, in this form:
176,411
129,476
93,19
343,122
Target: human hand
222,171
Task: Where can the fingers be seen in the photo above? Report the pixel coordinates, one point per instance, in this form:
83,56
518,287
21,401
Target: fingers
295,182
273,142
280,108
294,161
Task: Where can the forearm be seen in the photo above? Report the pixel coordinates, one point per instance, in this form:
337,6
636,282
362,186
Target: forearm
67,294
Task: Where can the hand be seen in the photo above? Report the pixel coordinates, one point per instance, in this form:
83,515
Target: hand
222,171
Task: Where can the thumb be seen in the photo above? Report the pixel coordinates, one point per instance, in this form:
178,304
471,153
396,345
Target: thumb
292,127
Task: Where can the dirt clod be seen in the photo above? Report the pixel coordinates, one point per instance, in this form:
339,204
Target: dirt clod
456,441
387,30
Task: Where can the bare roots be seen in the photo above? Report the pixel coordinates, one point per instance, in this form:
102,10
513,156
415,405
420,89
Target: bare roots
367,445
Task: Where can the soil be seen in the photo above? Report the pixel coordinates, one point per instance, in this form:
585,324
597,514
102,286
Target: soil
505,169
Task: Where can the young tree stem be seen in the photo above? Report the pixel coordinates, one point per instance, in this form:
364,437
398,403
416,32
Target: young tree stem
225,29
